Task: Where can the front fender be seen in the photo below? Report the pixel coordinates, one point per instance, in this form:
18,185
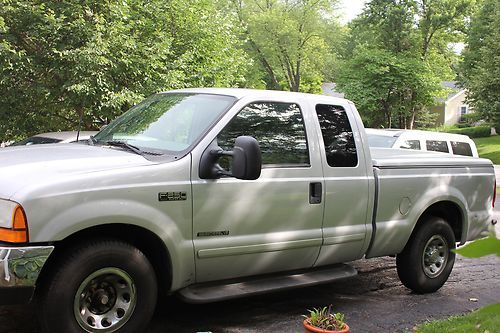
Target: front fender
113,211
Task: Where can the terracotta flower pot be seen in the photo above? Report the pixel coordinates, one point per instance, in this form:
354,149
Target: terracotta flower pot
312,329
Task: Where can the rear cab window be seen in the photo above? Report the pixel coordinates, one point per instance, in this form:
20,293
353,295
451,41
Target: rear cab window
338,138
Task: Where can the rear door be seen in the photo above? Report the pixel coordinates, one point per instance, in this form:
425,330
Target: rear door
271,224
348,185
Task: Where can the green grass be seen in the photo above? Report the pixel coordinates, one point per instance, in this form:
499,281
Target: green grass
486,319
489,148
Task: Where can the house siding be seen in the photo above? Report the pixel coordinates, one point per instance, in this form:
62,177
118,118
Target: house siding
452,108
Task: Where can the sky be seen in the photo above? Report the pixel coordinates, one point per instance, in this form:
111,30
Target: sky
349,9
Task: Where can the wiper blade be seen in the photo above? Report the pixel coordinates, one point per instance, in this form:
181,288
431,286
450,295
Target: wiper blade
92,141
130,147
125,145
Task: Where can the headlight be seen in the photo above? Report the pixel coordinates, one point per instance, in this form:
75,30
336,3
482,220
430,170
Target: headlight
13,224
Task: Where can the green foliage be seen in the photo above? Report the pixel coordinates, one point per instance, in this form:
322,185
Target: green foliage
481,247
62,60
325,319
288,41
472,132
397,56
483,320
470,119
489,148
480,70
387,87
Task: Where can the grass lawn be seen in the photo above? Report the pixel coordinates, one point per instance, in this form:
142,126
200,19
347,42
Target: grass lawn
489,148
486,319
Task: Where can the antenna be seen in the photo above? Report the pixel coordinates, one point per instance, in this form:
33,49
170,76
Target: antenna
79,126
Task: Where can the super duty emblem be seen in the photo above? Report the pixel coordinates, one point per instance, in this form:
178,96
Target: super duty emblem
172,196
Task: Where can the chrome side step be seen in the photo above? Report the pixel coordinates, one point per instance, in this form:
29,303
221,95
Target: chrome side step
229,289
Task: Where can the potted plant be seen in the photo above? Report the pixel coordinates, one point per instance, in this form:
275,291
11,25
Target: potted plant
325,321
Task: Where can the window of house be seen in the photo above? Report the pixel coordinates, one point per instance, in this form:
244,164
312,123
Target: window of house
434,145
463,110
461,148
279,129
337,136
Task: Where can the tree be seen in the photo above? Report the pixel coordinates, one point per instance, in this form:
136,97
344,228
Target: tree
66,60
386,86
406,40
480,69
286,39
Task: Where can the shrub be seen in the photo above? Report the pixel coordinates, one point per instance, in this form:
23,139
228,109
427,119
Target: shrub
473,132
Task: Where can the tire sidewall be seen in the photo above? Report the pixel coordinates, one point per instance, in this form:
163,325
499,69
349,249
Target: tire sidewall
410,264
58,301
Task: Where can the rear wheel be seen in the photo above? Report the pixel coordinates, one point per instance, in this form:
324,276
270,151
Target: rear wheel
101,286
427,260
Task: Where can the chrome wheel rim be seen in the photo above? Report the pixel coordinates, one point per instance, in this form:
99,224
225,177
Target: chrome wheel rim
435,256
105,300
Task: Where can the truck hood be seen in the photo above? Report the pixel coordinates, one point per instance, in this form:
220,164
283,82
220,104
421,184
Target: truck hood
27,165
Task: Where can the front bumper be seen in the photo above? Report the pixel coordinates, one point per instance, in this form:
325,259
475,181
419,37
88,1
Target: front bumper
19,271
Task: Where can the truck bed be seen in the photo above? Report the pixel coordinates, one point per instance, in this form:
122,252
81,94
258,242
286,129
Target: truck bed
409,182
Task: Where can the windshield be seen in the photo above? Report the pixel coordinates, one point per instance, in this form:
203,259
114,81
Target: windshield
35,140
381,141
166,122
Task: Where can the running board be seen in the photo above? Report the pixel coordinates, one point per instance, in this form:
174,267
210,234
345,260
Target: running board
229,289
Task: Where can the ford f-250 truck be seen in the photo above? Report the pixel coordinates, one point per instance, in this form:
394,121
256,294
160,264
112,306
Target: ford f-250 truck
217,193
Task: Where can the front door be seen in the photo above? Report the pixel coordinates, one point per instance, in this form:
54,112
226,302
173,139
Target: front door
243,228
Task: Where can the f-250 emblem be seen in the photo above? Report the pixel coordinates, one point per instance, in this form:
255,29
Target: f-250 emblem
172,196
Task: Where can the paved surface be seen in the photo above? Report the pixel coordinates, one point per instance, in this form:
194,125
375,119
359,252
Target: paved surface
374,301
497,174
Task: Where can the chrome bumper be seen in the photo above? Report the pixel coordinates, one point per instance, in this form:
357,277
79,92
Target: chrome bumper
21,266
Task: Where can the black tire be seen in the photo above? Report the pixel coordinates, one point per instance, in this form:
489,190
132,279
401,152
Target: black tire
117,285
427,260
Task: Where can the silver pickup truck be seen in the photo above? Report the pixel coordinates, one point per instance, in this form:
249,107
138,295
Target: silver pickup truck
211,194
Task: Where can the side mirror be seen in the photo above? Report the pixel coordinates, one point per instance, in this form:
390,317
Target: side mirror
246,155
247,158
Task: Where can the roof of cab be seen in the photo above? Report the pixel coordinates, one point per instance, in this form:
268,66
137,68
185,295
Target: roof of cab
256,93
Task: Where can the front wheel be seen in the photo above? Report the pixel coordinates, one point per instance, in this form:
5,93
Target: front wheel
101,286
427,260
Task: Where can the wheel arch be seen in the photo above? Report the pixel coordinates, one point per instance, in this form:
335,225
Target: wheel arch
449,211
145,240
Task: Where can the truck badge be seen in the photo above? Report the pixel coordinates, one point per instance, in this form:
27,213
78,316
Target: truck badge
172,196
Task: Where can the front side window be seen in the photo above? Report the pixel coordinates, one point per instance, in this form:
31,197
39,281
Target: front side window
380,141
434,145
461,148
167,122
279,129
337,136
411,144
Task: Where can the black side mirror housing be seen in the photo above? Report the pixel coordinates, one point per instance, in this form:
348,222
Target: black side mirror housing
246,155
247,158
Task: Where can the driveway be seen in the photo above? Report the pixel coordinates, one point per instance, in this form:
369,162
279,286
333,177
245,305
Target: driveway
373,301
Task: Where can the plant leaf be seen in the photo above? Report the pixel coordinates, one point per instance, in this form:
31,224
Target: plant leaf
481,247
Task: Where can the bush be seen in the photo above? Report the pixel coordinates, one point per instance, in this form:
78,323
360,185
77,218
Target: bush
473,132
469,119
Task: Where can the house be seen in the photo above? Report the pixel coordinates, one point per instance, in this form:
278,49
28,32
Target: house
451,109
